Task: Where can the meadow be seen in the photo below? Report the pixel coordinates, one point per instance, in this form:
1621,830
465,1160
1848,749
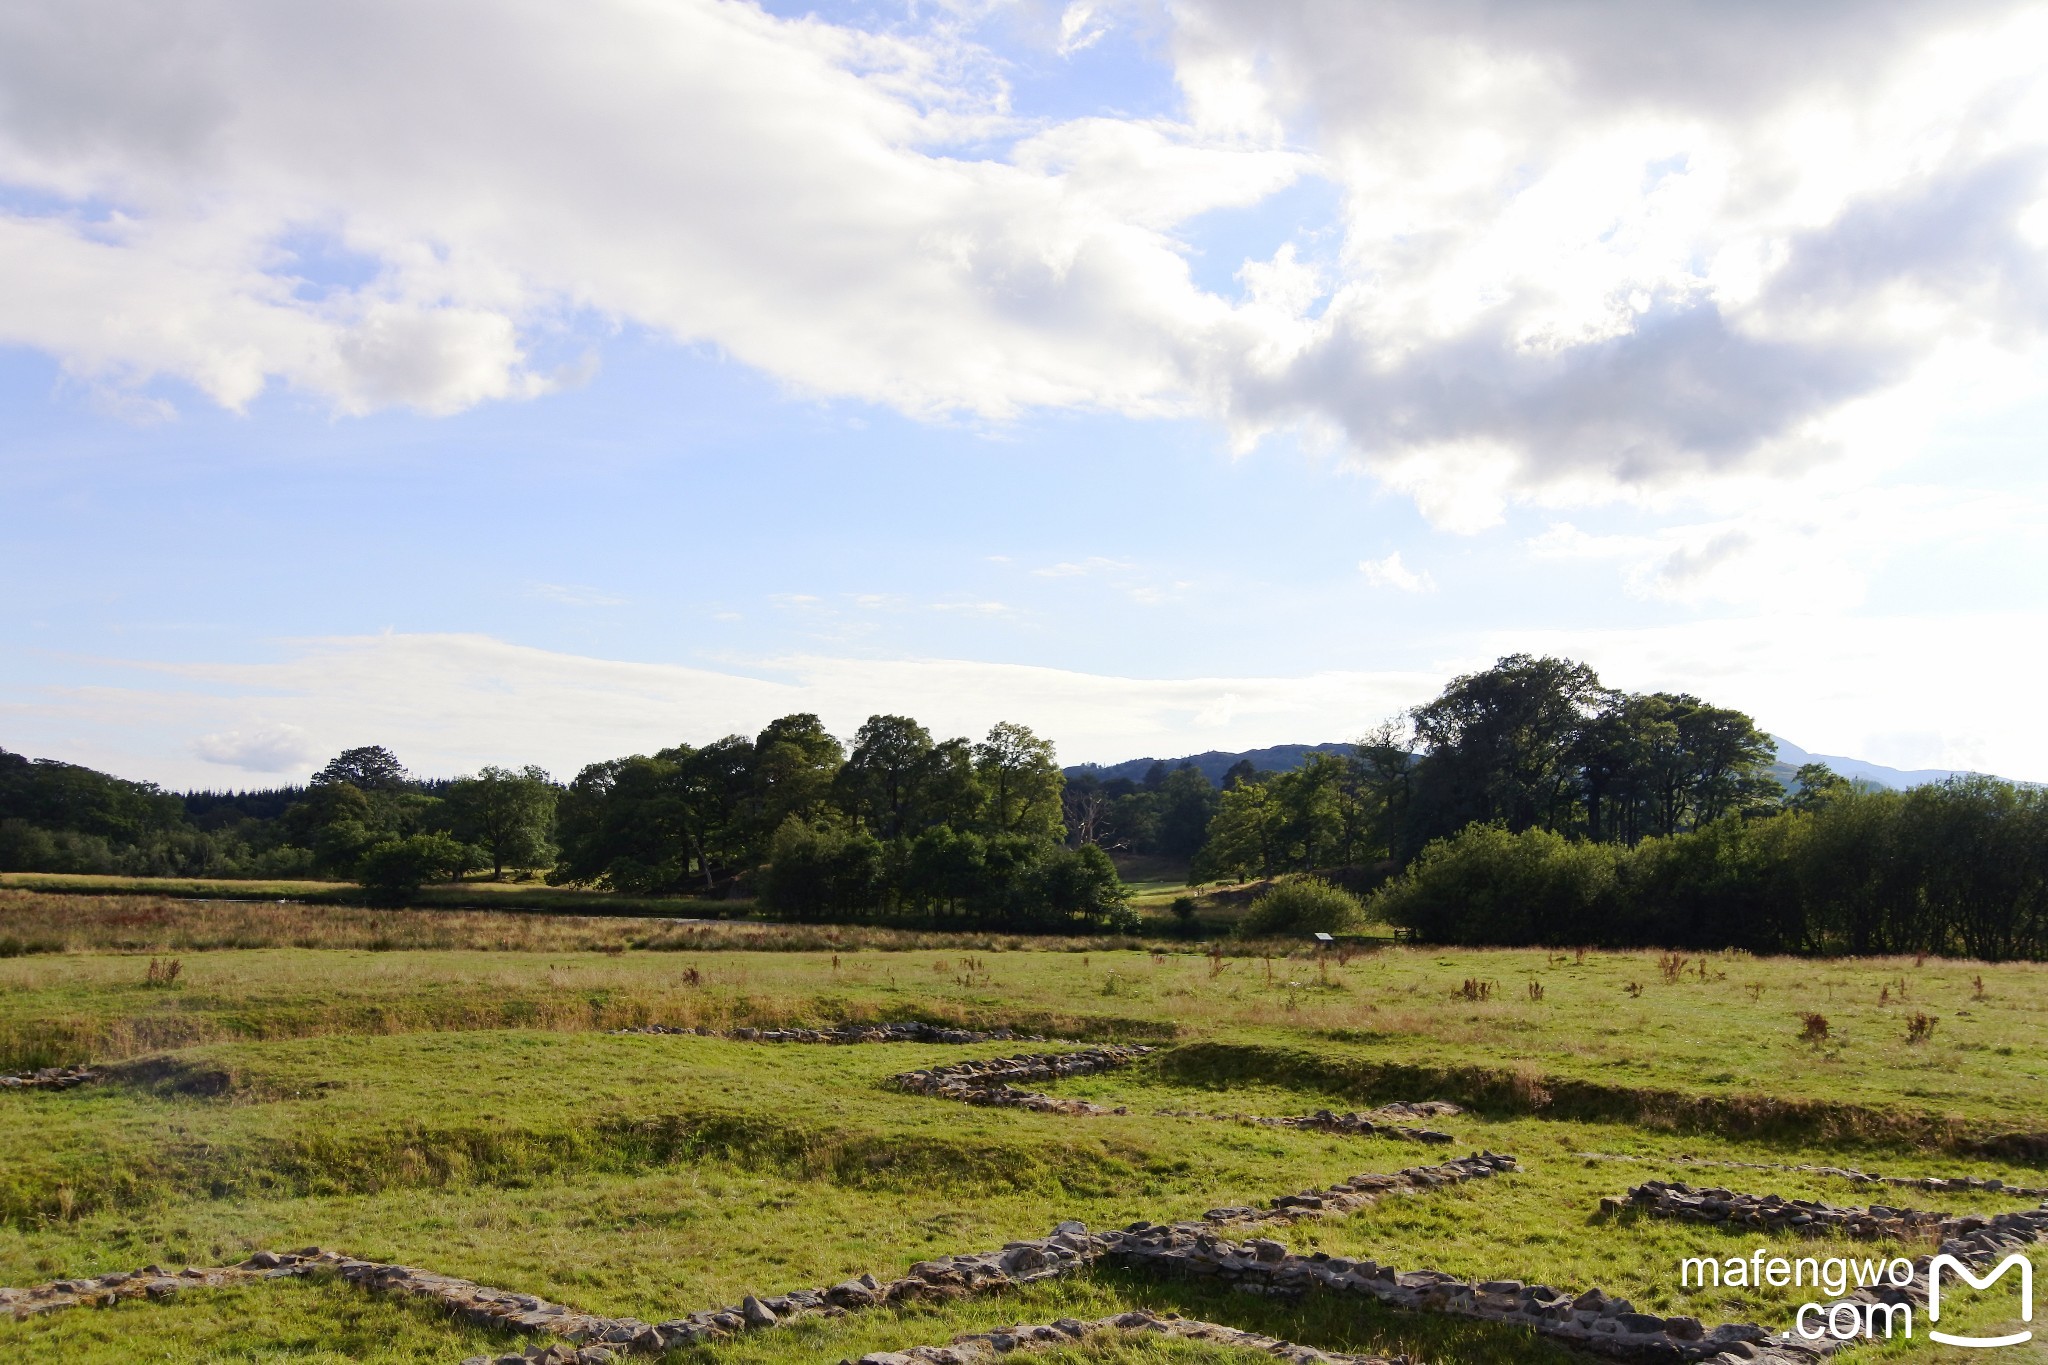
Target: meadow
442,1089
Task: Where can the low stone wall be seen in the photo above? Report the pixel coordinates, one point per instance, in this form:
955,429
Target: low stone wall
911,1031
978,1348
590,1339
1771,1213
1353,1125
991,1082
50,1078
1933,1184
1360,1190
1592,1319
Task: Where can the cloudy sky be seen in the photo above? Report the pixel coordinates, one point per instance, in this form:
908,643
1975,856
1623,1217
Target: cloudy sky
513,381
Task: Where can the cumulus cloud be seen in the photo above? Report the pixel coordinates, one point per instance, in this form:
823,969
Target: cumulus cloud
805,195
1583,246
1392,573
1817,550
1635,244
265,749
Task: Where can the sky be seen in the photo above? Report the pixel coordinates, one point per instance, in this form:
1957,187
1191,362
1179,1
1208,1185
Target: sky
514,382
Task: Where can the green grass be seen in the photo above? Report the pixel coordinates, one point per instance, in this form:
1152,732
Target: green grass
1732,1037
459,1110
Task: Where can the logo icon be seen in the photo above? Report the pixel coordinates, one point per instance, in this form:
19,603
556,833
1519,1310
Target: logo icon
1934,1270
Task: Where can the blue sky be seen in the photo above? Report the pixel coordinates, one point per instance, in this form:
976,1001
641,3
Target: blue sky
1166,377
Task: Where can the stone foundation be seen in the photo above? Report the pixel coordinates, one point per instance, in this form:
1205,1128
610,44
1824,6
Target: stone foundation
990,1082
910,1032
50,1078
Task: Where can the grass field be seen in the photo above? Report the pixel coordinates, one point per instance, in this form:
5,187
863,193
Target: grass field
506,895
448,1097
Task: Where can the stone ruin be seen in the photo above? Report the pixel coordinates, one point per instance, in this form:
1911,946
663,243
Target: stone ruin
989,1083
50,1078
913,1031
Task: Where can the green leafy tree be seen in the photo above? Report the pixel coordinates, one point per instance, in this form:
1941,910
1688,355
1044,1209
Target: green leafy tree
1816,786
1021,781
371,768
1502,746
393,870
795,762
883,781
1186,804
1240,842
949,791
657,824
508,814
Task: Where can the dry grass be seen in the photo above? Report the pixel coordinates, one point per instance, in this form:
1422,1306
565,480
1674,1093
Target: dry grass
33,922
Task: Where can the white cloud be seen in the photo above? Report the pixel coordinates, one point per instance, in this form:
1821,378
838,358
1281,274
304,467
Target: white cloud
1392,573
1796,550
1582,248
266,749
803,194
1638,245
1081,27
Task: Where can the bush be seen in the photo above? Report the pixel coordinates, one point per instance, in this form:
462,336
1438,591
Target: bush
394,869
1485,885
1303,905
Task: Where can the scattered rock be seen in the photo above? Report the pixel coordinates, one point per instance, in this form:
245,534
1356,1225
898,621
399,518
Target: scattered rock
912,1031
989,1083
50,1078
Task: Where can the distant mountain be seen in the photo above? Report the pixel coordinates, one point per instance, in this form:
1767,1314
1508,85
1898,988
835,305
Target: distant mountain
1279,758
1282,758
1790,756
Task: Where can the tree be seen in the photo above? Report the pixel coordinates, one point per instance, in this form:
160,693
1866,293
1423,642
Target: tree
882,782
795,761
1306,810
1816,786
1502,745
1020,779
509,815
620,825
338,823
948,790
393,870
1240,842
371,768
1187,803
1085,807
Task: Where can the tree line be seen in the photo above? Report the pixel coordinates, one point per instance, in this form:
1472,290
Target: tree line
1957,868
898,828
1526,803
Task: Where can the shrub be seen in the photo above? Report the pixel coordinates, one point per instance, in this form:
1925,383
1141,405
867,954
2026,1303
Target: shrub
1303,905
1485,885
394,869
